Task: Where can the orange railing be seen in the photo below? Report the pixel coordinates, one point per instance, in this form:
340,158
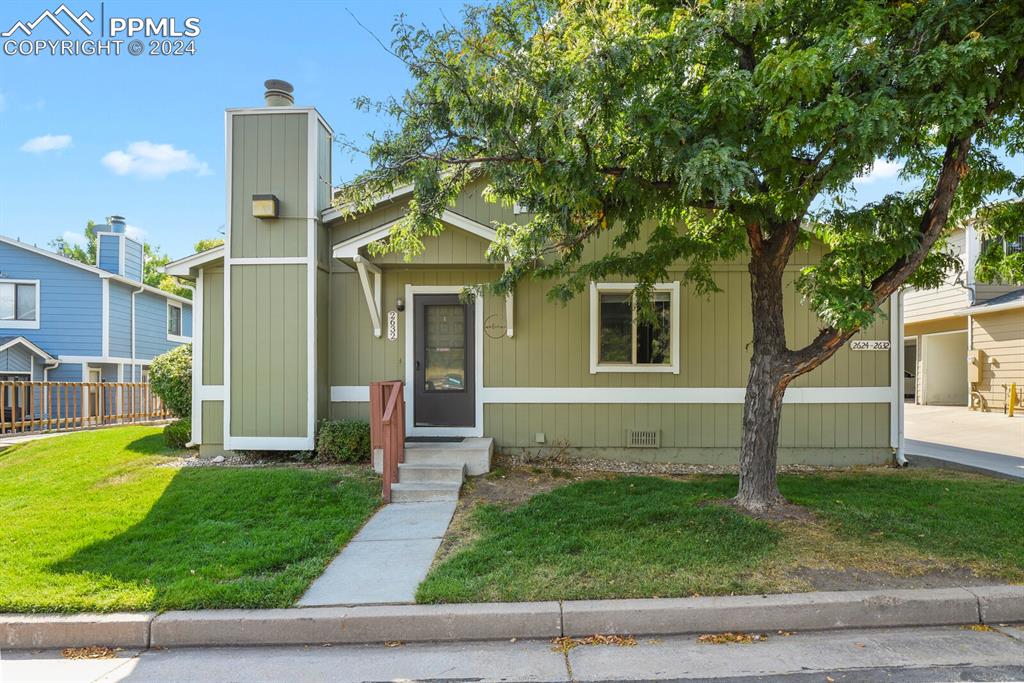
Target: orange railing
27,407
387,429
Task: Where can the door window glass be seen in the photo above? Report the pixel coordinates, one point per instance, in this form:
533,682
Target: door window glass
445,352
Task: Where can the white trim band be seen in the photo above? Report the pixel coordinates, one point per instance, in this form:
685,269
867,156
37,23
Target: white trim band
639,395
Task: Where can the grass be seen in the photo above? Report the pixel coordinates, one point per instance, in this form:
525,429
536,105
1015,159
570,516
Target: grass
647,537
98,521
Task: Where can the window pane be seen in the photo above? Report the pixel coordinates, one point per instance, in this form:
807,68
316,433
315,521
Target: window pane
616,331
6,302
654,338
26,302
446,348
173,320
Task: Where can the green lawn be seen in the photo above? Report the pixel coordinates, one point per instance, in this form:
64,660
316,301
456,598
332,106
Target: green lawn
92,521
645,536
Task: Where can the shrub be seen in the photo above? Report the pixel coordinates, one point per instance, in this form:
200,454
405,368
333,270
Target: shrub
343,441
170,378
178,433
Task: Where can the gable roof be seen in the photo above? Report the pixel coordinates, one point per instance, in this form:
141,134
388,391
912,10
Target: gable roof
1010,300
350,247
99,272
8,342
182,266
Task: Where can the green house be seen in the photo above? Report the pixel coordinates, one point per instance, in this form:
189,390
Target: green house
294,318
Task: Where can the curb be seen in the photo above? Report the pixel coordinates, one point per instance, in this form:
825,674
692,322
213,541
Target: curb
502,621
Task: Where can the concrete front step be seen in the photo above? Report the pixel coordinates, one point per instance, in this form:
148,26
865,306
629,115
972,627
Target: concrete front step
409,473
474,452
424,491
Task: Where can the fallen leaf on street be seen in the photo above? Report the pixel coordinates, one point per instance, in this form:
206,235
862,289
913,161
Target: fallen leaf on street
92,652
730,637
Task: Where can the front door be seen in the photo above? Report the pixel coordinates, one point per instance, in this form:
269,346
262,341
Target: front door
443,370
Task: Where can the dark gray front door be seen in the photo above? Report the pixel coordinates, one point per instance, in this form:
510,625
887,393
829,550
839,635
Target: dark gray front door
443,371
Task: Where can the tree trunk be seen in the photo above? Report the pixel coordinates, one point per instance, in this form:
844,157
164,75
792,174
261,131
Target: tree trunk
762,412
766,384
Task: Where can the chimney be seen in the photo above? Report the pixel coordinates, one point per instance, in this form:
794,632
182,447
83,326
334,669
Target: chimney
279,93
116,223
115,252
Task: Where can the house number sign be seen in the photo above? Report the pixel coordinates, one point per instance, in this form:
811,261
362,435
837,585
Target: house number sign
868,345
392,325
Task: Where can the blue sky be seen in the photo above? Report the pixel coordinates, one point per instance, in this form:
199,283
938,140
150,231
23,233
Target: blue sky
83,137
108,103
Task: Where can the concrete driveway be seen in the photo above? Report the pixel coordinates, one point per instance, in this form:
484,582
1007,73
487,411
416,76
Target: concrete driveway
950,436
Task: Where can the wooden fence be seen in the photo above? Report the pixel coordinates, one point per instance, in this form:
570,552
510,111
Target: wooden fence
62,406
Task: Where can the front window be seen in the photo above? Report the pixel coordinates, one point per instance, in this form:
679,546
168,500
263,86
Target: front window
622,340
173,320
19,303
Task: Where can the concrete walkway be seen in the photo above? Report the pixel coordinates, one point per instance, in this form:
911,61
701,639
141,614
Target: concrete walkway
387,560
954,437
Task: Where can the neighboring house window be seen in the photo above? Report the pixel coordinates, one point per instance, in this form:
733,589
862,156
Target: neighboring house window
622,341
19,303
174,322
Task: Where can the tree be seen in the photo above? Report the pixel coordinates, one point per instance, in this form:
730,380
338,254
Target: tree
1002,255
696,131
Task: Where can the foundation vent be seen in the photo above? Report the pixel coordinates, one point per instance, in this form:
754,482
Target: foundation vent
643,438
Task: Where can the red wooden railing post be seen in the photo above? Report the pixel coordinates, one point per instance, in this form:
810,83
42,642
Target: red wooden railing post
387,429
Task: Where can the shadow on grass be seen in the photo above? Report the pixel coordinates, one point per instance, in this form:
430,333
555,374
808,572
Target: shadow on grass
229,537
153,444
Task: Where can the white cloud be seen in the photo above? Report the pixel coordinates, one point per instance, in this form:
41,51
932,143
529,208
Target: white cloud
46,143
880,170
151,160
74,238
134,232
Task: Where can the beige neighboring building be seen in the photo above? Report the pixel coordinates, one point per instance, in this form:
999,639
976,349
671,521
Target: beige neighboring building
965,339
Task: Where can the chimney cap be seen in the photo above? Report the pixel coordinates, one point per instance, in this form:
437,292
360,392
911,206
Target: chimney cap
279,93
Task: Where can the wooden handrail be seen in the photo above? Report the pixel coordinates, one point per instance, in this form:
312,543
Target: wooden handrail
387,428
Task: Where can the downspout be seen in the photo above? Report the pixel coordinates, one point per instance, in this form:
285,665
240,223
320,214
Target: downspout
901,361
137,291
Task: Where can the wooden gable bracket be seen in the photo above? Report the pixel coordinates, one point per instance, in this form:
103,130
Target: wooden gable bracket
370,293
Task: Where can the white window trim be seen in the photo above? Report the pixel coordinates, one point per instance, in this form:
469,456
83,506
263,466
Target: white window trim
180,338
595,315
22,324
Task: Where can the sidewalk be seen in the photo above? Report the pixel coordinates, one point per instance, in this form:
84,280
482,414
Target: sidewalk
956,438
387,560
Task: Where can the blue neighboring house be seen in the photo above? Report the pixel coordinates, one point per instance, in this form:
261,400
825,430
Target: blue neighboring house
64,321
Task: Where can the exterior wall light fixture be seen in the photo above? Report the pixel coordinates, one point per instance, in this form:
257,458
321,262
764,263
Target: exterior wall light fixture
264,206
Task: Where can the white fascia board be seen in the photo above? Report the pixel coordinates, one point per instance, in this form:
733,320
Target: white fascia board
21,341
51,255
334,213
147,288
183,266
350,247
983,309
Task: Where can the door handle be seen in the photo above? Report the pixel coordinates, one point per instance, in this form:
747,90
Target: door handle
417,365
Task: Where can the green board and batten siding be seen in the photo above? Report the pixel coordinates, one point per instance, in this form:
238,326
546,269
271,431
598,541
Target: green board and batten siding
271,152
550,348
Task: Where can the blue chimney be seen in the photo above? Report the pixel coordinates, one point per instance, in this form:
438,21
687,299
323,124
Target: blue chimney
117,253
